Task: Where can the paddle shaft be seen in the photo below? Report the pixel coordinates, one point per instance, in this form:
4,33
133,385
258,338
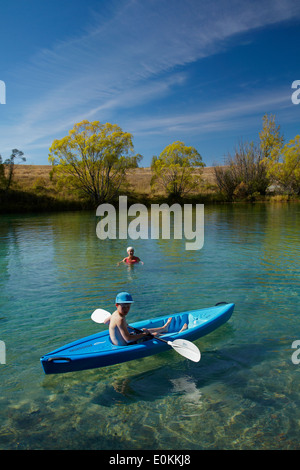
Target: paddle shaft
186,348
108,315
152,336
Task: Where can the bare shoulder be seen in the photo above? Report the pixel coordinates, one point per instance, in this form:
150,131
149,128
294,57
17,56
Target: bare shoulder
116,319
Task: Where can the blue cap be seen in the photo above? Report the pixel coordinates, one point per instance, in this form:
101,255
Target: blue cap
124,298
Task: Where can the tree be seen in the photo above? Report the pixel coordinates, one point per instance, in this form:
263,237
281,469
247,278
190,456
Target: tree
225,180
177,170
271,141
93,158
2,174
282,161
244,174
285,171
9,164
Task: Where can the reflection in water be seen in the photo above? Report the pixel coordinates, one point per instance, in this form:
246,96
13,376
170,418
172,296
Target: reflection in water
54,272
187,387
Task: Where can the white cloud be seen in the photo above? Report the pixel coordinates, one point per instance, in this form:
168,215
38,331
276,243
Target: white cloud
225,115
133,57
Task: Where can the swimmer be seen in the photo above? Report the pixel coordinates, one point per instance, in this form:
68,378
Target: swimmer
130,259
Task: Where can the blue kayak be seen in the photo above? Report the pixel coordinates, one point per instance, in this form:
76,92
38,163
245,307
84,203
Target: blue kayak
98,351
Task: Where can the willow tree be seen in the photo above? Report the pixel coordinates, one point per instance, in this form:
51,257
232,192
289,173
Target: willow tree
282,161
285,169
94,158
177,170
271,140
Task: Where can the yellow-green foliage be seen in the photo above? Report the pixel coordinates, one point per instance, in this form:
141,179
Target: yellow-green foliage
286,171
93,158
282,161
177,170
271,141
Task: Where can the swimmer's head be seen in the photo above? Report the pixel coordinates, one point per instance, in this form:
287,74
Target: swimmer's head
129,249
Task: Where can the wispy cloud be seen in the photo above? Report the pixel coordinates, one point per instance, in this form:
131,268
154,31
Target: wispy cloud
130,57
224,115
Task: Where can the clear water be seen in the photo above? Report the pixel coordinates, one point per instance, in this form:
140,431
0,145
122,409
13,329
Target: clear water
243,394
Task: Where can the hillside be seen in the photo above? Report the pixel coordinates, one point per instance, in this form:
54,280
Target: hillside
33,190
30,177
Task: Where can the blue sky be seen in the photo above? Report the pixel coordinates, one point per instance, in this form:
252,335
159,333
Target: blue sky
197,71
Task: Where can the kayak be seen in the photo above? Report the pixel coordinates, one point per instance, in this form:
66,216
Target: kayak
97,350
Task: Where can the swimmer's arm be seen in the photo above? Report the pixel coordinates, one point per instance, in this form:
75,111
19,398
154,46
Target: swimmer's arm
123,261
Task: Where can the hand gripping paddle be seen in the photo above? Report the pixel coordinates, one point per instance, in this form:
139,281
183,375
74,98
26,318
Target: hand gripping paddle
182,346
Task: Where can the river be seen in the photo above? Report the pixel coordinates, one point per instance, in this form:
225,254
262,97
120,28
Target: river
243,394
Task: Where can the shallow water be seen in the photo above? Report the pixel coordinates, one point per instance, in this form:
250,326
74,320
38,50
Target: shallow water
243,394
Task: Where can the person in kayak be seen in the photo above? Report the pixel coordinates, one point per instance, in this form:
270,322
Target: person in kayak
130,259
118,327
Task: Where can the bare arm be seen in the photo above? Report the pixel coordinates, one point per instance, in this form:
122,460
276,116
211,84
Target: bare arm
123,261
127,336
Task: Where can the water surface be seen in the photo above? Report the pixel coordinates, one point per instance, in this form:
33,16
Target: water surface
243,394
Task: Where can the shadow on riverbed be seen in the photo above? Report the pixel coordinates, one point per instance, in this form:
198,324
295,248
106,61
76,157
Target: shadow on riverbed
71,414
224,365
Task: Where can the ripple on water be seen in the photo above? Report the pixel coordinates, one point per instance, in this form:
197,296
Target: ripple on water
243,394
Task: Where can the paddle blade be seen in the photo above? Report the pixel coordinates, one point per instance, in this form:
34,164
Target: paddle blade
186,349
100,316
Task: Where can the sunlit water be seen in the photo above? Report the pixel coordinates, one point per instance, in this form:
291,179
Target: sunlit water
243,394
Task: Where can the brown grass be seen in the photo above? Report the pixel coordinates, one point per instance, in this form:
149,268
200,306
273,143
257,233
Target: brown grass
28,176
33,177
33,190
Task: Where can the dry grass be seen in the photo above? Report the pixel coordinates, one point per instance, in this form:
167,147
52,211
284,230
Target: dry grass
28,176
33,190
33,177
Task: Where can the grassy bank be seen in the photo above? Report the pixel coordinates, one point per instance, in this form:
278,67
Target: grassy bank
34,191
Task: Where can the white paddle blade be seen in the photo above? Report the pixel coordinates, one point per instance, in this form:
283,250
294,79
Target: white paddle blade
100,316
186,349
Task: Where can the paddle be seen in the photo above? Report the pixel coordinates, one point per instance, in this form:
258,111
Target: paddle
182,346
